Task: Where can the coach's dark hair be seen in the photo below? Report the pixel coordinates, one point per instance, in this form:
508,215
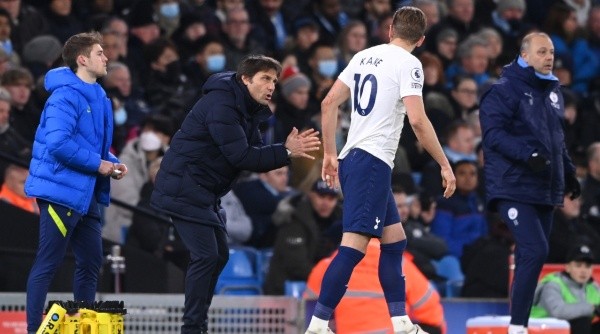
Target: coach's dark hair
79,45
409,24
253,64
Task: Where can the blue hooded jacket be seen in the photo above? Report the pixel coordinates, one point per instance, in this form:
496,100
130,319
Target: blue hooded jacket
218,139
74,134
521,114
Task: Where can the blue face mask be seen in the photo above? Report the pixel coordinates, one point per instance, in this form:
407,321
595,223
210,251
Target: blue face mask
120,116
169,10
328,68
215,63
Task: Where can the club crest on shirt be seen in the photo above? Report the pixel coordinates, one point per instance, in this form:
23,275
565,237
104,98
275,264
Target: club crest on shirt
554,99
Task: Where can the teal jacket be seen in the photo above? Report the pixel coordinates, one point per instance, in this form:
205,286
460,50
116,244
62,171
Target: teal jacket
74,134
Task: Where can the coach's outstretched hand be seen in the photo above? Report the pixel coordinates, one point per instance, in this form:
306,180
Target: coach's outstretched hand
300,144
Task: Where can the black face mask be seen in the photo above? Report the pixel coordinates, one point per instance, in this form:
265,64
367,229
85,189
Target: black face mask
173,72
115,92
515,25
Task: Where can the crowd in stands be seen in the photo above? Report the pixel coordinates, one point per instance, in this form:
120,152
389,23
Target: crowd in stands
160,52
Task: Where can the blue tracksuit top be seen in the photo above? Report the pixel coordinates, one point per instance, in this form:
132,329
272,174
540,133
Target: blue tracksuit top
520,114
74,134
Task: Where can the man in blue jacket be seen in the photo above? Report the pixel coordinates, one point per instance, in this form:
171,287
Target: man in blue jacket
69,172
527,167
219,139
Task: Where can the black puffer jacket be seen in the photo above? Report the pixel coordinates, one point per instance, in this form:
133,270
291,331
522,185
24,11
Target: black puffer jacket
218,139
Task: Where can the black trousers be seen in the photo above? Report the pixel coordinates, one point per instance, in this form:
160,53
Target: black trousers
209,253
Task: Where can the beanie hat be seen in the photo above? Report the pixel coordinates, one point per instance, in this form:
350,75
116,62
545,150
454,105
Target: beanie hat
42,49
292,79
142,14
503,5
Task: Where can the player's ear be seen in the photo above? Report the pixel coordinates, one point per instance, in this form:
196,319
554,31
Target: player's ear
420,41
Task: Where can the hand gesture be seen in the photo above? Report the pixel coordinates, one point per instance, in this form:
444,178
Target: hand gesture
329,173
300,144
120,170
448,181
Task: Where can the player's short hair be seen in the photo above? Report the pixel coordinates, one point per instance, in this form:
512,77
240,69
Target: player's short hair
79,45
253,64
409,24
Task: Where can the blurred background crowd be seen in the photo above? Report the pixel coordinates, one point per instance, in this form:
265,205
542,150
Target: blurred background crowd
160,52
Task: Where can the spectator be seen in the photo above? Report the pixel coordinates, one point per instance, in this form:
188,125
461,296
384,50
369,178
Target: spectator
570,229
293,109
239,38
572,294
224,6
309,229
190,31
306,33
41,62
472,61
138,154
568,40
6,43
168,13
155,236
463,96
260,198
11,141
509,20
27,22
460,219
423,245
459,144
460,18
112,46
373,11
119,87
364,307
208,57
590,194
62,23
239,225
25,115
144,30
352,39
431,8
323,70
485,262
12,190
167,89
118,27
330,17
274,23
445,46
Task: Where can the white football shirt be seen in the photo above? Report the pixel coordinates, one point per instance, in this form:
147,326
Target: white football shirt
378,78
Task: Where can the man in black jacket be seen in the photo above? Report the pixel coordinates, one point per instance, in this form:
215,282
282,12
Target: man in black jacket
217,141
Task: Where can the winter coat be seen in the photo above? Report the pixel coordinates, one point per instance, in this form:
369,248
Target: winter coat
74,134
217,141
522,114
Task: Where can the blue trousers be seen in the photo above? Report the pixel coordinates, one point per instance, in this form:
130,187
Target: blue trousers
209,253
59,228
530,226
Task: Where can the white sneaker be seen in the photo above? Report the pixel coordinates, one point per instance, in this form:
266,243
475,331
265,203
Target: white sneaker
414,330
320,331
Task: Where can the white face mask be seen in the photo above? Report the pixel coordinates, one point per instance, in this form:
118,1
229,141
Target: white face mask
149,141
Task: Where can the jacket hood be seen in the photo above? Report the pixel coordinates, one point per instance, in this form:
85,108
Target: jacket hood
64,76
226,81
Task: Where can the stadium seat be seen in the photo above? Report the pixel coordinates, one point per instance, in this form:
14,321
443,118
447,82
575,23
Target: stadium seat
449,268
295,288
239,275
